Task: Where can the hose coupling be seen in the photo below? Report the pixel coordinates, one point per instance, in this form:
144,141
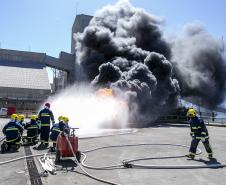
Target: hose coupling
126,164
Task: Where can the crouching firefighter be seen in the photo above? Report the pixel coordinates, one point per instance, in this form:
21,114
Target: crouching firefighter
198,132
57,129
33,130
12,131
21,119
44,116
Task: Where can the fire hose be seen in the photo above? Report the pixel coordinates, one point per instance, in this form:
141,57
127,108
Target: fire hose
126,163
129,164
23,157
88,174
2,139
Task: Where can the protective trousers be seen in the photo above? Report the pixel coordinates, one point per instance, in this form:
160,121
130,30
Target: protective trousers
44,135
194,144
32,140
6,145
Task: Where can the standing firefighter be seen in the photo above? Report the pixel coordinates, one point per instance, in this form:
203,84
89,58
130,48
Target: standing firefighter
32,130
45,115
12,131
198,132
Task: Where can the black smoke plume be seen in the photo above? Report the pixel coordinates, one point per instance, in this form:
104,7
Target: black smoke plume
199,66
123,48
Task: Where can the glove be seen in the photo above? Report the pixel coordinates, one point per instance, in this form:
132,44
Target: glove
203,139
203,135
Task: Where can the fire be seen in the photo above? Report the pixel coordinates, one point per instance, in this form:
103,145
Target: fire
105,92
119,106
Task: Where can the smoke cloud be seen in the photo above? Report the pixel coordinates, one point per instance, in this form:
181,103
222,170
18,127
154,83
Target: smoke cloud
200,66
123,48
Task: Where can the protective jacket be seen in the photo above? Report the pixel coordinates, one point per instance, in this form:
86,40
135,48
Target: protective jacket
45,115
12,131
198,128
56,129
21,123
33,129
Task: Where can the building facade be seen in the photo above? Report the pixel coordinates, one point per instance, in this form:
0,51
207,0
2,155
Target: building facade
24,81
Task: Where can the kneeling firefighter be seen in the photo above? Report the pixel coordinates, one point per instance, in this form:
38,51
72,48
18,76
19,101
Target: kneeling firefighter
33,130
198,132
56,129
13,132
21,119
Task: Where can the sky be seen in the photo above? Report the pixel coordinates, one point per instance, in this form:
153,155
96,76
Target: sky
45,25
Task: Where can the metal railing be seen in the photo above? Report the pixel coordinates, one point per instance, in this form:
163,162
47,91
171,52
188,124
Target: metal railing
172,118
184,119
209,120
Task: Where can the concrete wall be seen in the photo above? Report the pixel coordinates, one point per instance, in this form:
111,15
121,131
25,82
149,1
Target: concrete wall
81,21
24,94
65,62
14,55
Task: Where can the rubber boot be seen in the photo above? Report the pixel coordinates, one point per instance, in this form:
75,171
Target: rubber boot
210,156
190,156
4,147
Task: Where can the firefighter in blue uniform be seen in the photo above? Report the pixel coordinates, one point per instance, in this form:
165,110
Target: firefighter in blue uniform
66,120
12,131
33,130
44,116
56,129
198,132
21,119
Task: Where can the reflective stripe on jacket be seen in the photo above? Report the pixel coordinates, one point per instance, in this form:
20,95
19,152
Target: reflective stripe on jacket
198,128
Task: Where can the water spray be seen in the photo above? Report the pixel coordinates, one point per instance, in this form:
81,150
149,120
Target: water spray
90,110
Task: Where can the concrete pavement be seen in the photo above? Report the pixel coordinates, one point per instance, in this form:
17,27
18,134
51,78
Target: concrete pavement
17,173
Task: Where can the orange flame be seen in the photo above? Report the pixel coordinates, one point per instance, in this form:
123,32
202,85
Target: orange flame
104,93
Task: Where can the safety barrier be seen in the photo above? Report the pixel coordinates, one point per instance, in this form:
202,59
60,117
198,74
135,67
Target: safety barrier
184,119
211,120
173,118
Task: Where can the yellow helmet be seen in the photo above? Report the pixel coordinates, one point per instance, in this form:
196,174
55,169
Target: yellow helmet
14,116
33,117
66,119
21,117
61,118
191,112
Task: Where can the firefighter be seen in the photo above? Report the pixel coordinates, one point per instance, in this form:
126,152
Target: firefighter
198,132
56,129
12,131
66,120
21,119
45,115
33,130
